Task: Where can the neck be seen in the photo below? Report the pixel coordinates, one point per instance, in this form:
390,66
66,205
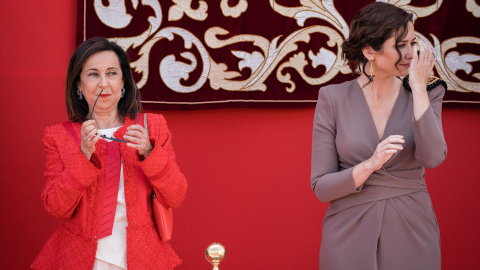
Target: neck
107,120
380,87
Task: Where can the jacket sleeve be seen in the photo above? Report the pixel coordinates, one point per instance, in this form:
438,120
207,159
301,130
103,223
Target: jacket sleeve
160,166
326,180
68,173
430,145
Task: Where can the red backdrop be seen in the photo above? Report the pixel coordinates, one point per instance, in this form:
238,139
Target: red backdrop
248,169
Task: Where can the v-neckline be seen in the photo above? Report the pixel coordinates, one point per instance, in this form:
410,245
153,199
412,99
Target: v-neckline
371,115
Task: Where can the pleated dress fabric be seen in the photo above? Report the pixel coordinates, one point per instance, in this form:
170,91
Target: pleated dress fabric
389,222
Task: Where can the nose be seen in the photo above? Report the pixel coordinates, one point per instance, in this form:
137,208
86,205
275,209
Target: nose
103,82
409,52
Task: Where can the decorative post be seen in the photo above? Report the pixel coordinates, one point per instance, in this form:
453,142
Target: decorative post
215,253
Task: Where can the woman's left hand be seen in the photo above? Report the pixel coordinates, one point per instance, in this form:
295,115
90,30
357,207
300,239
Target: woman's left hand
139,140
421,66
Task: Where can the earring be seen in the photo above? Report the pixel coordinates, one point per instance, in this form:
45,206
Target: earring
372,74
80,94
123,91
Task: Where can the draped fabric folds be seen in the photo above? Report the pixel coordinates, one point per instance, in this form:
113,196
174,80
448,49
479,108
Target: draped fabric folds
111,182
389,222
277,53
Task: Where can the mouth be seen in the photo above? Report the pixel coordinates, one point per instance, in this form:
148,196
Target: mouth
104,95
405,65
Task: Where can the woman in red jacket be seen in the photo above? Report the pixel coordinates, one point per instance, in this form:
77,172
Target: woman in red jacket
102,167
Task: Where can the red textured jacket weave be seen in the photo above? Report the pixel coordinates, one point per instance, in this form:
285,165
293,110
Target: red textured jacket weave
69,174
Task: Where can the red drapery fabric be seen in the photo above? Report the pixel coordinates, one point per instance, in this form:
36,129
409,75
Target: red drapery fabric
190,54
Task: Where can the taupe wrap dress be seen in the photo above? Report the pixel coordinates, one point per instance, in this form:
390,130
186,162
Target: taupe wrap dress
389,222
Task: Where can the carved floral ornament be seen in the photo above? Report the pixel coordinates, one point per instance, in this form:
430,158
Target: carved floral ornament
269,57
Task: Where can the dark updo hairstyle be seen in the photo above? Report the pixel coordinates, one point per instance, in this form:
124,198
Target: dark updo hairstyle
77,109
372,26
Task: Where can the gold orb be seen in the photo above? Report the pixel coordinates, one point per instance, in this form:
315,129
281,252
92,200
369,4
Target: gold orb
215,253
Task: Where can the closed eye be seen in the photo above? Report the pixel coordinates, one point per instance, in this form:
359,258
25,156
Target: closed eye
402,45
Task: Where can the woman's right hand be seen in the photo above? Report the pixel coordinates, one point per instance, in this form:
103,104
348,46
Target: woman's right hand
89,136
385,150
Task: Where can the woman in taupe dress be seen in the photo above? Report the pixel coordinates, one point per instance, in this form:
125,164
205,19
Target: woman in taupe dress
372,138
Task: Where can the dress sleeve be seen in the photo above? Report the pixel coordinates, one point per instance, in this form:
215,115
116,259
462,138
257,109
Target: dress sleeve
160,166
326,180
68,173
430,145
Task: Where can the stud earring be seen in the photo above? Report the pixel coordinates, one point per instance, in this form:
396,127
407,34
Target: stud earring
372,74
80,94
123,91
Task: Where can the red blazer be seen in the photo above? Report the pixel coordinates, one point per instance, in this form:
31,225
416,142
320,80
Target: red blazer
69,174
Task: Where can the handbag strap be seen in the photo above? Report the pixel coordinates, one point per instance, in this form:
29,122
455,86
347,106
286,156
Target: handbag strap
141,178
71,131
145,122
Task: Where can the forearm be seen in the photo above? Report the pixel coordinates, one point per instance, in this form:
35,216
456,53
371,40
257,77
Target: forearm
334,185
361,172
160,165
430,145
64,189
421,101
164,174
68,173
60,198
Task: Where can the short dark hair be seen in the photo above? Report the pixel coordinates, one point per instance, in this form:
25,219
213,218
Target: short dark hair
77,109
372,26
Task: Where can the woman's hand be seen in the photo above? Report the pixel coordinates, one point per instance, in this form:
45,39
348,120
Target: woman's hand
421,66
384,151
139,140
89,137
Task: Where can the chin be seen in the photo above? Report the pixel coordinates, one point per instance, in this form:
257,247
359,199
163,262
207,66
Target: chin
402,73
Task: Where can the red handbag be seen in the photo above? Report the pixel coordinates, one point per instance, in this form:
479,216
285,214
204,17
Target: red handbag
163,216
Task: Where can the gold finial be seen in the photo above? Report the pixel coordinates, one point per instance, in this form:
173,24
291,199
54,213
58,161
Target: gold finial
215,254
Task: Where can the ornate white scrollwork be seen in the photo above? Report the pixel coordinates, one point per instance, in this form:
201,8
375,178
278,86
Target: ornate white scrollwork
170,70
176,12
449,62
324,10
418,12
473,8
114,15
234,11
155,22
267,55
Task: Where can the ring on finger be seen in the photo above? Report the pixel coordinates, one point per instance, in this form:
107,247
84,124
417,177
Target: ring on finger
88,138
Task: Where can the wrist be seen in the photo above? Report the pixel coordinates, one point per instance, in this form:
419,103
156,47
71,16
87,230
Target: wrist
145,155
369,166
417,87
87,154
